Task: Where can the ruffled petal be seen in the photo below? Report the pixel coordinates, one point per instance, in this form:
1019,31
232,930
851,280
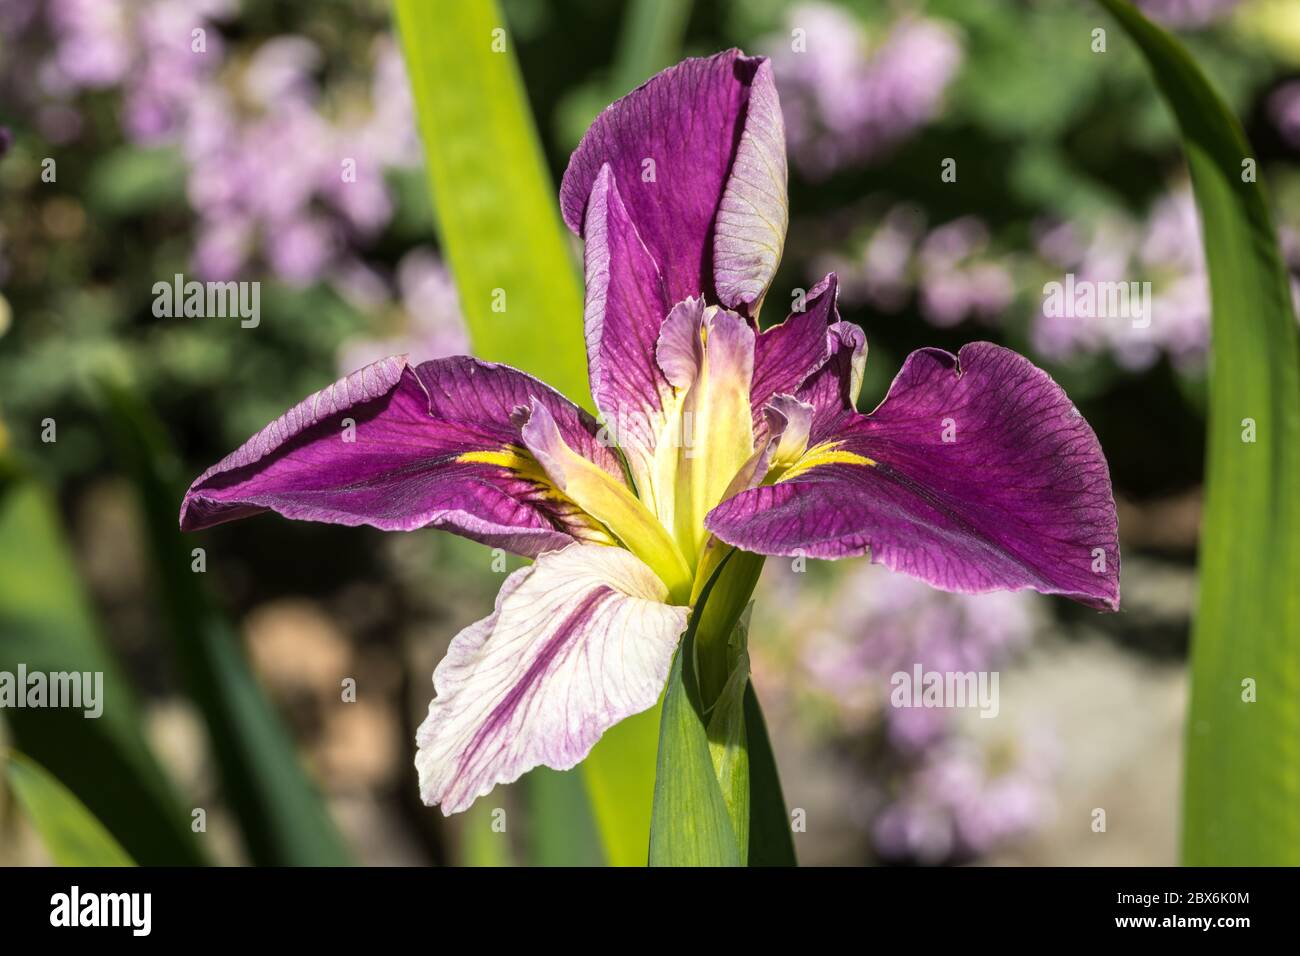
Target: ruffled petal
578,641
975,473
786,355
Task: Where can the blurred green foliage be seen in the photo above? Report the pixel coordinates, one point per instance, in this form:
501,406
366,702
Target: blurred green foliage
46,625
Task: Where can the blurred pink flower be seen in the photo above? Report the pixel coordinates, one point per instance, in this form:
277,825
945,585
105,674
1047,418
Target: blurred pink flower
1187,13
432,325
846,101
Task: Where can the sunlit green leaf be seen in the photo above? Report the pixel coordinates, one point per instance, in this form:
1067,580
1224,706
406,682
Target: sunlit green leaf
771,842
649,40
561,828
690,826
69,831
484,842
493,197
1242,786
729,751
691,823
499,224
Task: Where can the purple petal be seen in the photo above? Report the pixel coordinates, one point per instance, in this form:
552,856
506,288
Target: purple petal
470,390
672,144
400,448
979,474
578,641
751,222
625,308
787,354
833,388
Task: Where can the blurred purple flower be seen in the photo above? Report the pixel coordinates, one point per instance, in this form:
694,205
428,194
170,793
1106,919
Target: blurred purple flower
942,785
93,47
846,103
1187,13
963,801
954,288
951,269
883,626
1164,250
1284,110
273,180
433,326
307,187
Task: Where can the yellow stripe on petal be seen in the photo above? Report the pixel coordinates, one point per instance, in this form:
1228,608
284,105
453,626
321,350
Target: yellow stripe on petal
516,459
826,453
520,462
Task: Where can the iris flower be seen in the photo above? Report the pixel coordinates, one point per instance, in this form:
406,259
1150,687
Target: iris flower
974,473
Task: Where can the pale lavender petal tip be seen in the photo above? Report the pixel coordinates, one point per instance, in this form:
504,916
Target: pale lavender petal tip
577,642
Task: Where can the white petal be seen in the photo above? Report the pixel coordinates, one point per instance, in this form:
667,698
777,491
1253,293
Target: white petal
578,641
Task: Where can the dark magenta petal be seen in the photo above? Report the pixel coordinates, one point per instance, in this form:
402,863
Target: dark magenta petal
400,448
786,355
672,144
976,473
464,389
626,306
833,388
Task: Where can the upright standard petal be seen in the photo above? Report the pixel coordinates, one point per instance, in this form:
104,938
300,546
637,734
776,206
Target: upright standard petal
749,231
625,308
673,144
975,473
578,641
400,448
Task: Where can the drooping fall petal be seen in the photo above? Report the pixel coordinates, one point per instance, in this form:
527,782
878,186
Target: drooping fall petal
578,641
674,145
975,473
400,448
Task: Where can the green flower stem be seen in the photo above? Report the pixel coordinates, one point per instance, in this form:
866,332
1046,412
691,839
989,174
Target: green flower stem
715,653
